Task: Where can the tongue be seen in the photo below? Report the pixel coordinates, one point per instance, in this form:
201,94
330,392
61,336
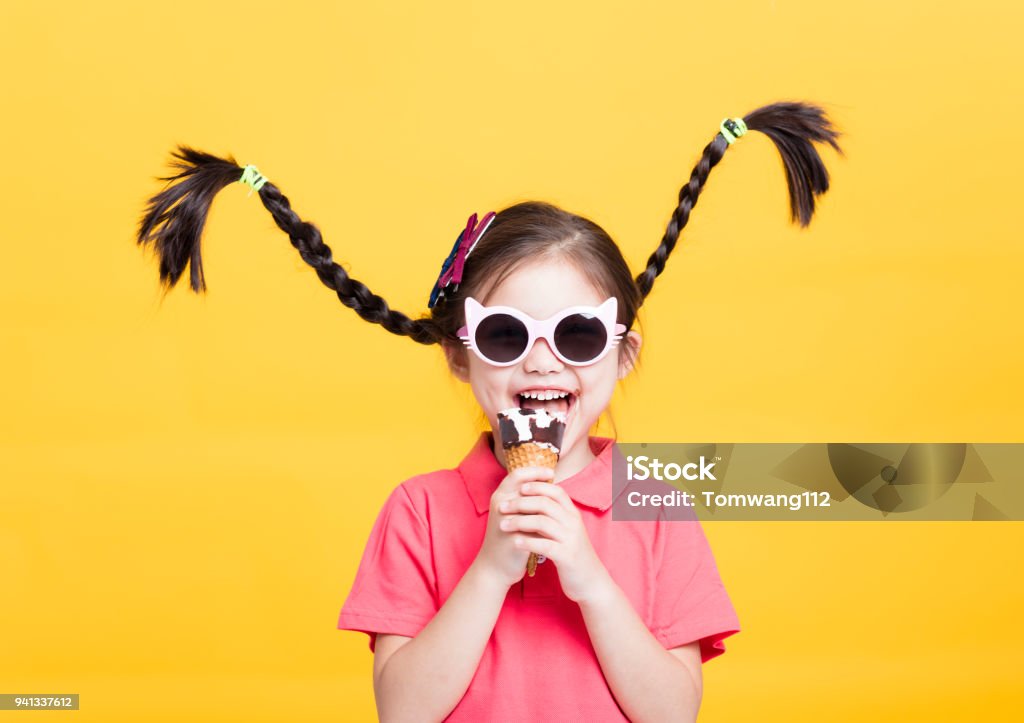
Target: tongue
548,405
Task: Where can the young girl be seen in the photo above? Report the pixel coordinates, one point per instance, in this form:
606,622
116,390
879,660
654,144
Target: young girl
620,614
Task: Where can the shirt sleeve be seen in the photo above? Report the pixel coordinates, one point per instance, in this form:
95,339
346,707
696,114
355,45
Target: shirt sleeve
690,601
395,587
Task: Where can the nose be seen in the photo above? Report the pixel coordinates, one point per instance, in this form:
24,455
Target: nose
541,359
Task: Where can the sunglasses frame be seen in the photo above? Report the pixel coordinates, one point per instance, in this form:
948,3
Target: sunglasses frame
542,329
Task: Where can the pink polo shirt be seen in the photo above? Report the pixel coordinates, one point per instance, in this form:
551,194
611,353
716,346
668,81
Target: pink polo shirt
539,663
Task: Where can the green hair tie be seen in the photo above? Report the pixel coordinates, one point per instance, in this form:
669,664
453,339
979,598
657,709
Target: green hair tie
253,178
732,128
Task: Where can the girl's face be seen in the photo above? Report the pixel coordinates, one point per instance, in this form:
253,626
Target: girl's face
542,289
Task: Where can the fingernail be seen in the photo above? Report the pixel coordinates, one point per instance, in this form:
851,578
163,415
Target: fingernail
503,506
526,487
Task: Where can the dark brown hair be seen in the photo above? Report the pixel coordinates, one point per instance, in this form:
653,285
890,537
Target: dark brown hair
174,220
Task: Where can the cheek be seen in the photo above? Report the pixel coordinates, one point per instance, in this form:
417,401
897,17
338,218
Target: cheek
603,375
489,383
599,384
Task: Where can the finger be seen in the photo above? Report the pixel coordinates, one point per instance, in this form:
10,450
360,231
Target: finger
533,505
541,545
515,479
551,491
537,524
509,486
534,473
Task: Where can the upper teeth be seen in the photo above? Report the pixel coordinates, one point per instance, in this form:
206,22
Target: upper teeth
550,394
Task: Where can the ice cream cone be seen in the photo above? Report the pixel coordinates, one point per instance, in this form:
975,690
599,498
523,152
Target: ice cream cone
531,438
531,455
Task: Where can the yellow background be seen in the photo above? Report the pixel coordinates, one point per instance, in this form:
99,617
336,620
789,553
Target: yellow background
187,486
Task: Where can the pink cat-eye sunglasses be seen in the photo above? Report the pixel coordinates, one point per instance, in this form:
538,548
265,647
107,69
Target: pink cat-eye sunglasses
579,335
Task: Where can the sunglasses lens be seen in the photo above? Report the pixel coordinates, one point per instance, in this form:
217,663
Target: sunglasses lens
501,338
580,337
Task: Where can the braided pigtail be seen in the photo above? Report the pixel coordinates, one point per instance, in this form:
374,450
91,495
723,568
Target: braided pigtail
793,128
174,220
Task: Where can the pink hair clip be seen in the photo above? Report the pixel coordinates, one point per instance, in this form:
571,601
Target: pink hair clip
452,268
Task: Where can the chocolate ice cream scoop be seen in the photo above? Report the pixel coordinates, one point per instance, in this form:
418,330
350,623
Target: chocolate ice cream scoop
518,426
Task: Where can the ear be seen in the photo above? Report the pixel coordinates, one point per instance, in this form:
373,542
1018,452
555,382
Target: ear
457,362
633,340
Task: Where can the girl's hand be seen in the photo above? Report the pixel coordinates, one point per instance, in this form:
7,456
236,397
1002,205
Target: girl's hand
499,558
544,519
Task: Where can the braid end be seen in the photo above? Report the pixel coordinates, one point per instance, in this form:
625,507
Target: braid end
174,218
794,127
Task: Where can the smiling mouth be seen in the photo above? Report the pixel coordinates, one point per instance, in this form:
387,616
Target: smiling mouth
560,402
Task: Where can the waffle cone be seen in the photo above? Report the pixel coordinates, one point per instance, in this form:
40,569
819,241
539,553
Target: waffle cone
529,454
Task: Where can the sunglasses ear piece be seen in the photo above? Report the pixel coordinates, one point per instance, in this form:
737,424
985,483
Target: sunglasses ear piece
473,307
610,310
611,305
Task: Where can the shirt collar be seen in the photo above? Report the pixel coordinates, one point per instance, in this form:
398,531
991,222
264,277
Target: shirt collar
591,486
